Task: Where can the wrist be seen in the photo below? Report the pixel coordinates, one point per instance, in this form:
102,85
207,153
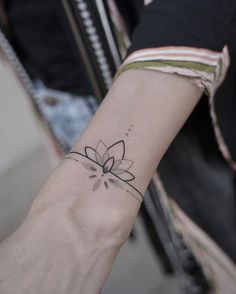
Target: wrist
107,215
93,222
48,250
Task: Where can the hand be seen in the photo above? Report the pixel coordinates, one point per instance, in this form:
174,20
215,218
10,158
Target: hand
65,239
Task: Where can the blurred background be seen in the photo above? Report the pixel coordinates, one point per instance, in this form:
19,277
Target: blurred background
58,59
24,166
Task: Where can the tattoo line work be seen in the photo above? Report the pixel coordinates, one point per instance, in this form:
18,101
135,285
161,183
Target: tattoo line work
111,167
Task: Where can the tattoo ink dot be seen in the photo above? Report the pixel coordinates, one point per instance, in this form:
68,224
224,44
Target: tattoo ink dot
129,130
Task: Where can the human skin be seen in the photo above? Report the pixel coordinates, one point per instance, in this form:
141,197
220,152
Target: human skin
74,230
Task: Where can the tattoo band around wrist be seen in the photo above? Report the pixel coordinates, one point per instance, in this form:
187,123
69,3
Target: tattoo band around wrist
108,167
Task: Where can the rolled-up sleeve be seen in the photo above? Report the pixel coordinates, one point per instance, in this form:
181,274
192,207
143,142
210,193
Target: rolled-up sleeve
184,37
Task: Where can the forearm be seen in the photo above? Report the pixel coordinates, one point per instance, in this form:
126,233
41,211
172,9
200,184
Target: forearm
144,110
154,106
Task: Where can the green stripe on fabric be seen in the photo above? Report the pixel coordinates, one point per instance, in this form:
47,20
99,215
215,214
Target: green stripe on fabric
182,64
221,66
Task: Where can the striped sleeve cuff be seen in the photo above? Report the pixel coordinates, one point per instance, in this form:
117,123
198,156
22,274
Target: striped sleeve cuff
204,68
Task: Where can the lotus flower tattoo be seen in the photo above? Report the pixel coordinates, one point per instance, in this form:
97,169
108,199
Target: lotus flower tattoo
108,166
112,162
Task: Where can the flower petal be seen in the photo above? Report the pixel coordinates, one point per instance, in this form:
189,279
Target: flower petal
122,164
96,184
115,182
92,154
89,166
105,157
117,150
101,150
118,171
108,165
106,185
123,174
